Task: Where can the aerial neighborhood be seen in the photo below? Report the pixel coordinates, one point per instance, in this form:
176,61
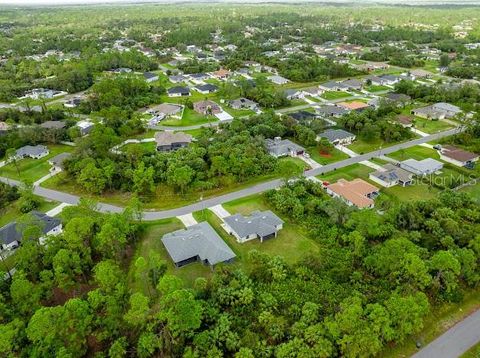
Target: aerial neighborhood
238,180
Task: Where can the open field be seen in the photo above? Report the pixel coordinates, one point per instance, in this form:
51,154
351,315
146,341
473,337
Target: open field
335,95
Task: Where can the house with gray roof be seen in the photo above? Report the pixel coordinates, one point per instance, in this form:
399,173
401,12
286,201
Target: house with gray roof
199,242
177,78
439,110
338,136
353,84
57,161
330,111
278,80
53,125
11,234
163,111
206,88
391,175
243,103
167,141
279,147
263,225
178,92
30,151
332,86
422,167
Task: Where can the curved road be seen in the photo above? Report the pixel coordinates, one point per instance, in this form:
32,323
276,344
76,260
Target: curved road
255,189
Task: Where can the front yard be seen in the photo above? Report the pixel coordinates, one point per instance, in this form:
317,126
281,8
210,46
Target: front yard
335,95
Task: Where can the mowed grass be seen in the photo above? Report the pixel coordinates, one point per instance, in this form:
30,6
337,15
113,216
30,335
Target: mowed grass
417,152
151,241
473,352
440,319
335,95
33,169
473,191
12,211
377,88
348,173
190,118
361,146
335,155
291,243
430,126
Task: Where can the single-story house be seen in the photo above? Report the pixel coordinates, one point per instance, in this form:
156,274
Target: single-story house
207,107
177,78
357,192
353,106
167,141
278,80
221,74
165,110
243,103
32,151
57,161
279,147
293,94
353,84
419,73
39,93
53,125
302,116
206,88
439,110
85,127
338,136
72,102
391,175
199,242
263,225
398,97
423,167
332,86
150,77
223,116
330,111
178,92
11,234
312,91
198,77
457,156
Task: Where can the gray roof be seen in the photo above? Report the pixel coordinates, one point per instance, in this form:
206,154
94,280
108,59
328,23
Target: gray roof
261,223
332,85
149,75
198,240
179,90
280,147
336,134
13,231
53,125
392,173
426,165
331,110
447,107
30,150
242,102
59,159
207,87
177,78
198,75
352,83
170,138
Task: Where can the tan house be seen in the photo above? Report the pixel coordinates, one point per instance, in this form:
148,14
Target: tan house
168,140
207,107
357,192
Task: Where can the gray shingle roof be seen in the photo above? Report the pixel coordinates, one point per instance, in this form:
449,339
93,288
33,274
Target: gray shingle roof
335,134
198,240
207,87
392,173
261,223
280,147
13,231
30,150
178,90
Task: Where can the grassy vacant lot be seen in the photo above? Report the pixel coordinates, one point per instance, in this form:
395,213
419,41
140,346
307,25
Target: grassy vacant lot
147,146
237,113
374,88
33,169
474,191
437,322
417,152
335,95
360,146
151,242
291,242
12,212
429,126
349,173
165,197
334,156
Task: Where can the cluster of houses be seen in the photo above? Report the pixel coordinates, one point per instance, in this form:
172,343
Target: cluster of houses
201,243
42,93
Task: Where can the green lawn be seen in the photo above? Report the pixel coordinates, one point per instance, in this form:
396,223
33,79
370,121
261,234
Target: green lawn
12,212
374,88
411,192
417,152
474,191
151,242
165,197
440,319
33,169
349,173
473,352
334,156
360,146
291,242
190,118
147,146
335,95
430,126
237,113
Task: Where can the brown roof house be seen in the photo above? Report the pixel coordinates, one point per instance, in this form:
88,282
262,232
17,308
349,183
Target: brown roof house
357,192
168,140
353,106
404,120
457,156
222,74
207,107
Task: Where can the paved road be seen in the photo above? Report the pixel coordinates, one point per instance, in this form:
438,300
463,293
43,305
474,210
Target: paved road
456,341
255,189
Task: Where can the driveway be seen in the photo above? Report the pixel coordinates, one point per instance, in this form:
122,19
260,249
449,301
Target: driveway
456,341
220,211
187,220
